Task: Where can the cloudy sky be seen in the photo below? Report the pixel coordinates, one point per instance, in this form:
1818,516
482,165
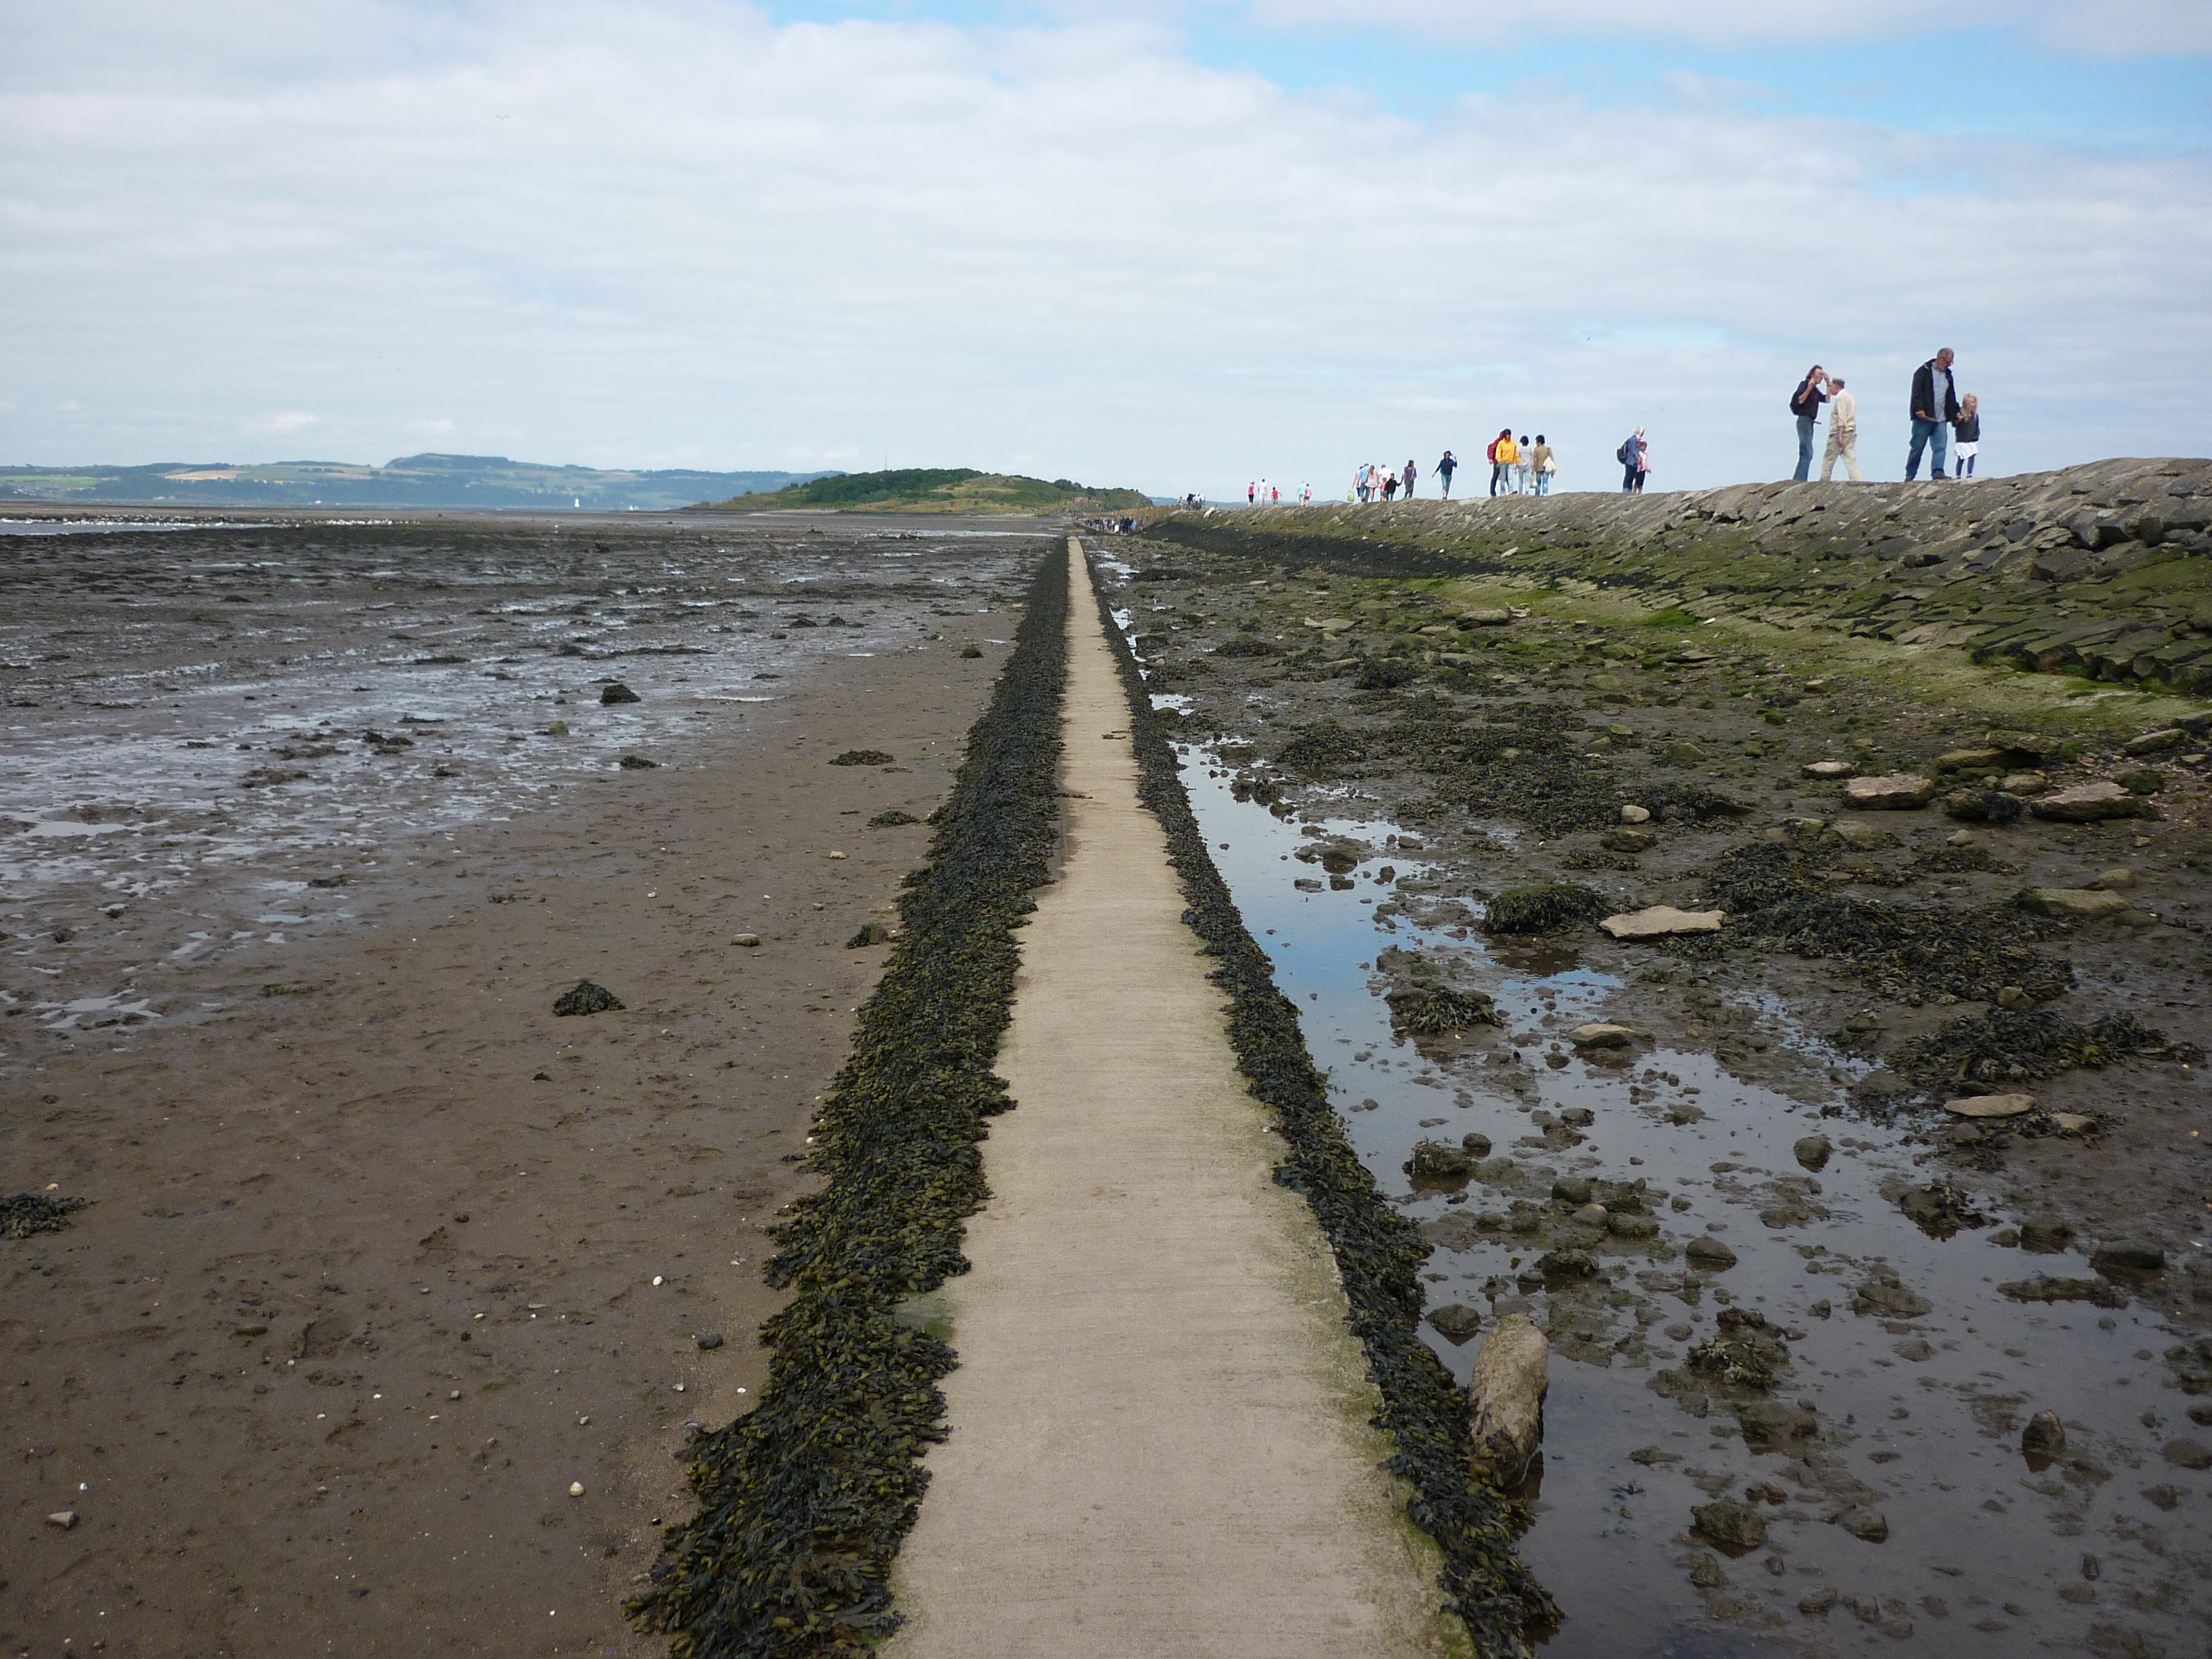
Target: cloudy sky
1170,243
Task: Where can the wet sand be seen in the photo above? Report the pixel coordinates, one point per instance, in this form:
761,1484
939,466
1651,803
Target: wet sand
366,1280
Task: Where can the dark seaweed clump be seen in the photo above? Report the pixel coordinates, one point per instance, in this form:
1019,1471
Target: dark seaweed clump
804,1502
1776,894
861,757
1247,645
1433,1010
1324,749
587,998
1548,909
1378,1252
1383,674
23,1214
1527,764
2009,1045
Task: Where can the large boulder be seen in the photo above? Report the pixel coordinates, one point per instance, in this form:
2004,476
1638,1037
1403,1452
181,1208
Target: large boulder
1512,1373
2073,903
1660,920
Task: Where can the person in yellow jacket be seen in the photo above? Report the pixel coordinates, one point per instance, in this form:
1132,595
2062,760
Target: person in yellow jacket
1504,453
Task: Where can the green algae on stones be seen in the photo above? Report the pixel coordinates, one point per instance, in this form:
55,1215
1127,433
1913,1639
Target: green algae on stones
804,1502
1547,909
861,757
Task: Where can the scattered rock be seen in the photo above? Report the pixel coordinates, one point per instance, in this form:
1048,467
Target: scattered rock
1884,1295
1831,769
1706,1574
2117,1261
1476,1144
1813,1151
1984,806
1546,910
1636,815
709,1340
1991,1105
1819,1603
1733,1525
1662,920
871,933
637,763
1598,1035
1592,1215
2073,1123
2090,803
1567,1264
1456,1322
575,1489
2188,1454
587,998
2154,742
1862,1523
1628,840
2073,903
2112,881
616,692
2044,1434
892,819
1506,1393
861,757
971,651
1891,792
64,1519
747,941
1707,1251
1434,1160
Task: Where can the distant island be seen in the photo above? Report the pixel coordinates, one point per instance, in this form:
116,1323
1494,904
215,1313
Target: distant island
936,489
463,481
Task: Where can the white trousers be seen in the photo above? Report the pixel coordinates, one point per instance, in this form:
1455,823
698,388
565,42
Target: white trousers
1844,446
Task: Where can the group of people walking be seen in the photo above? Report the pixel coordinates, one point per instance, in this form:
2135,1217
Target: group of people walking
1939,415
1518,467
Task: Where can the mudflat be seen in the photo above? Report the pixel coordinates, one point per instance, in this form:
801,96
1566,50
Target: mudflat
382,1259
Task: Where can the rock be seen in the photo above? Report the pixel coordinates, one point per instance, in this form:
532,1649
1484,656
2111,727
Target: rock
587,998
1776,1422
1894,792
558,729
1475,1144
1813,1151
2143,781
1488,617
1592,1215
1991,1105
1731,1525
2044,1235
1636,815
2090,803
616,692
2014,999
871,933
1831,769
747,941
1598,1035
1455,1322
63,1518
2073,903
1819,1603
1707,1251
1662,920
575,1489
2189,1453
1506,1395
2073,1123
2155,743
1628,840
1862,1523
1884,1295
2112,881
2023,783
1567,1264
2020,748
1984,806
2044,1434
1969,760
1622,1224
1706,1574
709,1340
2115,1260
971,651
861,757
637,763
1573,1189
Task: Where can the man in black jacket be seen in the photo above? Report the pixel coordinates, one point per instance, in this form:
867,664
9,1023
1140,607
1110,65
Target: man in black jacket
1805,404
1935,411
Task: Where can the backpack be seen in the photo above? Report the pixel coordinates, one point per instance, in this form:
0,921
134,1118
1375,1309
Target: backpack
1491,456
1621,453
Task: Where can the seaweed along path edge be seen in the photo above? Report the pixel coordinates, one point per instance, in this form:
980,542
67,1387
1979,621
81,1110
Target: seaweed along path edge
1161,1432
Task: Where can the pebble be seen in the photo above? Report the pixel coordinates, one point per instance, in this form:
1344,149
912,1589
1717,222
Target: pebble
1636,815
575,1489
1598,1035
63,1518
2189,1453
747,941
1991,1105
1707,1251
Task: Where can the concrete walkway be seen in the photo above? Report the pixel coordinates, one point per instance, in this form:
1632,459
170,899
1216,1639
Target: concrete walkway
1160,1443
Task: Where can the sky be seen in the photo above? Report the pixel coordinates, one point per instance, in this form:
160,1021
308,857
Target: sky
1173,243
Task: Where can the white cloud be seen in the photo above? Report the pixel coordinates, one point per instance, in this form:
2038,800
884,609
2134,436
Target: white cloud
284,424
675,230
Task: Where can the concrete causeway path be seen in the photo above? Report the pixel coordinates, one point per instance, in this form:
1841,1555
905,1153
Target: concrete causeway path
1160,1442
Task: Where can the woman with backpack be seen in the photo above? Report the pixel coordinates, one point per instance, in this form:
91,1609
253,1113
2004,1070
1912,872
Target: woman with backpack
1631,455
1503,452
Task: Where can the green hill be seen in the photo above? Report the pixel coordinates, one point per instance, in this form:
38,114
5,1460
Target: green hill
463,481
937,490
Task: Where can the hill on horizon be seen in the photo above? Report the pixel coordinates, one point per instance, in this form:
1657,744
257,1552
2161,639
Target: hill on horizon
426,480
937,489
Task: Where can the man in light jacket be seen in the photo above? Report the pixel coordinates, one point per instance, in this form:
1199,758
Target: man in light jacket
1842,433
1935,409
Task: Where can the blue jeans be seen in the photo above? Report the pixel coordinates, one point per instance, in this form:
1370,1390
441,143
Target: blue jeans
1933,436
1804,448
1543,483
